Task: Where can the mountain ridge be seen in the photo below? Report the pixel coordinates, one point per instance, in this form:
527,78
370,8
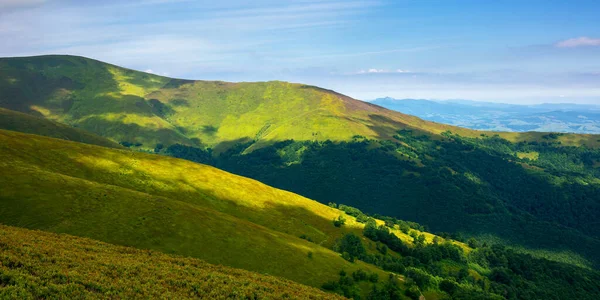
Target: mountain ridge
148,110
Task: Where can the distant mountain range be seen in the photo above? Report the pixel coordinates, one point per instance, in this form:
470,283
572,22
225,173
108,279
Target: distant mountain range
559,117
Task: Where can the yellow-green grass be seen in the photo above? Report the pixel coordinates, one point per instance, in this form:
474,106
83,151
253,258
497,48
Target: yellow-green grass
175,206
529,155
42,265
131,106
16,121
406,238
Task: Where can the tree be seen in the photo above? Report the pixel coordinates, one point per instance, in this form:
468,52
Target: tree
359,275
448,286
352,245
339,221
473,243
420,240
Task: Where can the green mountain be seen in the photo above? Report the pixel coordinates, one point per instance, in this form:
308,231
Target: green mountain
145,110
41,265
539,193
16,121
175,206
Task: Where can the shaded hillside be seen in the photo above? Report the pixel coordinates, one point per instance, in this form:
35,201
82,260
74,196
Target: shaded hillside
545,196
39,265
16,121
146,110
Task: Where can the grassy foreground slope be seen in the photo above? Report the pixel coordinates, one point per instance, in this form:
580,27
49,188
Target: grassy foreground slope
148,110
21,122
167,204
39,265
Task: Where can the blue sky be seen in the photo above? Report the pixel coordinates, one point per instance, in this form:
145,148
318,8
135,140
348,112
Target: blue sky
525,51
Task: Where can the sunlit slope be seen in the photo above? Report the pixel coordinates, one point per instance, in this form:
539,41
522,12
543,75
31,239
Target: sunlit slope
16,121
171,205
39,265
145,109
87,94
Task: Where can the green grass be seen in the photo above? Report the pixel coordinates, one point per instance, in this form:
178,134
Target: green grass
16,121
131,106
171,205
41,265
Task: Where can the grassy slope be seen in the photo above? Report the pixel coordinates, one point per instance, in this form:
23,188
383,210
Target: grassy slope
35,265
175,206
16,121
132,106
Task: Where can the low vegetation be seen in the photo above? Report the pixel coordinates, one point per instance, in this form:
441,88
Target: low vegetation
41,265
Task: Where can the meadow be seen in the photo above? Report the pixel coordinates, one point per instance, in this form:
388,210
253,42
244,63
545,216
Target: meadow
42,265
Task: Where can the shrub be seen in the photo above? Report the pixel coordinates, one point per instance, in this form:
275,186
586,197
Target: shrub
413,292
353,246
339,221
448,286
359,275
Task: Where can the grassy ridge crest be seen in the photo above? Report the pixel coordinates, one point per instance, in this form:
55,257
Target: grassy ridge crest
147,110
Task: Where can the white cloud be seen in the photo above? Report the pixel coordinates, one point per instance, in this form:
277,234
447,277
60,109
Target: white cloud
578,42
381,71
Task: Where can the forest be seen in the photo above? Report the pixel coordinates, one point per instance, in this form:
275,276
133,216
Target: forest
545,196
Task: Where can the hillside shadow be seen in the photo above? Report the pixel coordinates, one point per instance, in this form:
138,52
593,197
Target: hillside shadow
231,144
377,182
386,128
133,133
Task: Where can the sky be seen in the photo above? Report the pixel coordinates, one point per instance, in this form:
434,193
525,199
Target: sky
525,51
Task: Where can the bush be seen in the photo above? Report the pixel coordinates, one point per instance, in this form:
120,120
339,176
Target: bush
473,243
413,292
448,286
347,256
339,221
420,277
352,247
359,275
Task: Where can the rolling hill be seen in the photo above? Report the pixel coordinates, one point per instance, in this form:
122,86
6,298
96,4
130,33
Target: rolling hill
21,122
542,188
146,110
35,264
175,206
